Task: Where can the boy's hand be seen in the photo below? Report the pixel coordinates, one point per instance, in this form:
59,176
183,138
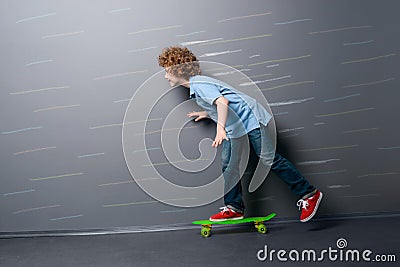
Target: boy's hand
220,136
199,114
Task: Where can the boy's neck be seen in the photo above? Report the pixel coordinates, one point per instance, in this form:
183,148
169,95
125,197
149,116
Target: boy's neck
186,84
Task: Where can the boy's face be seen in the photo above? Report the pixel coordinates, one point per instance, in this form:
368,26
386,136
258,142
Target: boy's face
174,80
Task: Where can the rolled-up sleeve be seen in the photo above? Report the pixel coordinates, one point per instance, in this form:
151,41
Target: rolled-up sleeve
208,92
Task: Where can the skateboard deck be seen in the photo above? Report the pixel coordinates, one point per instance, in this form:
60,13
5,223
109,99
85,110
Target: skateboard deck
206,225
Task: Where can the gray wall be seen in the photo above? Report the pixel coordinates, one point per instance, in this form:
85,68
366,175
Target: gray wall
329,70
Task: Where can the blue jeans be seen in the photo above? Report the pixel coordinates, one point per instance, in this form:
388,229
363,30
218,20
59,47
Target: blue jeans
260,143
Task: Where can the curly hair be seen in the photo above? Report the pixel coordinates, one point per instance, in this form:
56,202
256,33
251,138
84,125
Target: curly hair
179,61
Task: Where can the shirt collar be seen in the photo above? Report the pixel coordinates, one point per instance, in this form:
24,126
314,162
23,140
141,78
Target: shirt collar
191,91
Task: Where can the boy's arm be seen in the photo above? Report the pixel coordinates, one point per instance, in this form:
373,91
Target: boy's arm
222,110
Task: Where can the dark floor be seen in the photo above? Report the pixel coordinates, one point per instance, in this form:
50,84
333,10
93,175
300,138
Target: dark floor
228,246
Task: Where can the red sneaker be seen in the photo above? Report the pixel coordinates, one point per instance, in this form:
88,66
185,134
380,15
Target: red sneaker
226,214
309,206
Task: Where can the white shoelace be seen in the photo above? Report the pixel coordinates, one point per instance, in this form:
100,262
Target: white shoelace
224,209
302,204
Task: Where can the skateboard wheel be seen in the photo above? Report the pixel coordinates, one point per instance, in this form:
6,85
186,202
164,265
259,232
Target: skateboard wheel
205,231
262,229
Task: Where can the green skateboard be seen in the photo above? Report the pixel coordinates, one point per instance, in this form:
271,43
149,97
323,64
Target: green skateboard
206,225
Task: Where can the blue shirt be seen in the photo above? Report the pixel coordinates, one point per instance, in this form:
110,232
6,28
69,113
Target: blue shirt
244,113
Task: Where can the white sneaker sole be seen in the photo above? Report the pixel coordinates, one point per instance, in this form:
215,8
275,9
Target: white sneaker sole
222,220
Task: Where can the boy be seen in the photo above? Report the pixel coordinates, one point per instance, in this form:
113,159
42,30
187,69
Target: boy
238,118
